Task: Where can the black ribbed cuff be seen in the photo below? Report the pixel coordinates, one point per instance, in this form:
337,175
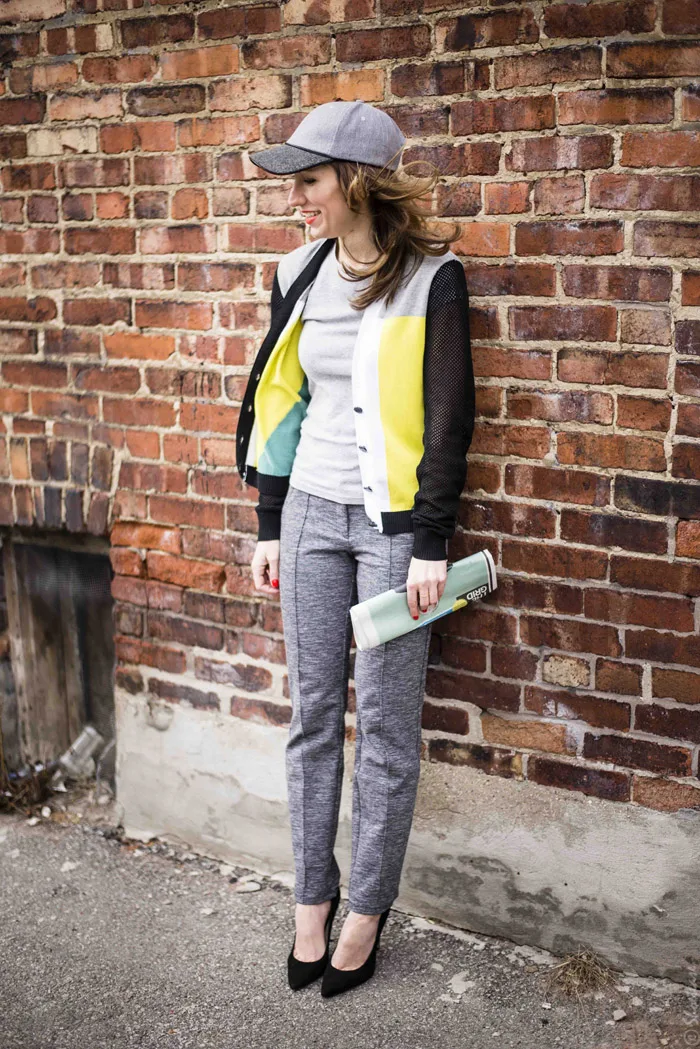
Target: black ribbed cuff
269,524
428,545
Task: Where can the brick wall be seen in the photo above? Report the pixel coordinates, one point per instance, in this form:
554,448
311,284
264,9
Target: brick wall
138,248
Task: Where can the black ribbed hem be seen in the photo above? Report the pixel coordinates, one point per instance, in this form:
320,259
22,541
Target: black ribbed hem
428,545
269,524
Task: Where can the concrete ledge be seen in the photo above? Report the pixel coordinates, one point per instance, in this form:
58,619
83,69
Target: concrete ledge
540,866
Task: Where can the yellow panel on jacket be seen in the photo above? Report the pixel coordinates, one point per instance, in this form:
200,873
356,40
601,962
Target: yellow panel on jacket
281,401
400,376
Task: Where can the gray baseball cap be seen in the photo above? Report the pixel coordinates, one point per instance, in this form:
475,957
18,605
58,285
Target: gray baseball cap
336,131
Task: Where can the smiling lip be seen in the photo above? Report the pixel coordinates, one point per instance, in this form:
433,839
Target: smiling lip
308,219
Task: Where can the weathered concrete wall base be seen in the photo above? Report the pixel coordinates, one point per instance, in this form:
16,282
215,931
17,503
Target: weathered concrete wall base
546,867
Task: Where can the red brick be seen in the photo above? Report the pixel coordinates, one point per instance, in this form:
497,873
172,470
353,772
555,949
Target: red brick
665,795
260,711
53,376
13,146
64,405
486,116
175,693
176,240
583,323
111,240
153,136
83,172
105,379
28,176
569,238
670,722
680,685
22,110
493,761
137,411
202,62
547,153
681,16
152,477
163,29
436,78
506,198
690,103
170,660
672,239
249,20
185,571
212,276
629,283
443,718
146,536
112,206
551,66
190,203
29,242
167,170
559,196
495,29
163,101
597,19
246,92
527,733
307,50
616,106
140,347
66,341
661,148
94,106
189,315
662,58
129,69
96,311
611,786
32,311
173,511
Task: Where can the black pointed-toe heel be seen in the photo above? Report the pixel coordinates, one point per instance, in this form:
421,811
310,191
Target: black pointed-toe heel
335,981
302,973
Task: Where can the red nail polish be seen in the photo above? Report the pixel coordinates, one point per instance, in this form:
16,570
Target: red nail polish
276,582
415,617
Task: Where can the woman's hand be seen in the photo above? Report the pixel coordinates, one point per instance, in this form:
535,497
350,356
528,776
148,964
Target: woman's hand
425,585
265,565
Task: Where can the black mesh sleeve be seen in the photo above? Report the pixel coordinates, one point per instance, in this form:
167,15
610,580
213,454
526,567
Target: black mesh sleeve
449,400
269,508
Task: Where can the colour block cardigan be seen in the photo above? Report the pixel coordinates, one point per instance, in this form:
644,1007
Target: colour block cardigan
413,397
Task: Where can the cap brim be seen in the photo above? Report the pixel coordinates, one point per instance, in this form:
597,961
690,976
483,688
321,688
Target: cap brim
285,159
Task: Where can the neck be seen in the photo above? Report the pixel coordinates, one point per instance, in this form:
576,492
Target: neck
356,249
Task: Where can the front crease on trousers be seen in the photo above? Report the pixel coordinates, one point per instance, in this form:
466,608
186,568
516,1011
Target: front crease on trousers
330,558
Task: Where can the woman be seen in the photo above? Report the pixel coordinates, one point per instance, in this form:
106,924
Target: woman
354,429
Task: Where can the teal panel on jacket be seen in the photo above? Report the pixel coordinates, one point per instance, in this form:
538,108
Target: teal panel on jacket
277,457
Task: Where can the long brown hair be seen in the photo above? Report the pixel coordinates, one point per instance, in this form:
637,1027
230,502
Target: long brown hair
400,229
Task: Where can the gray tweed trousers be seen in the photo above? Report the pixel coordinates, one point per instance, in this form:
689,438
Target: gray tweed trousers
332,556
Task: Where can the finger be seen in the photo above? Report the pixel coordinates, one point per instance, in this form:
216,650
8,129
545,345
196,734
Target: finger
433,596
274,570
412,598
424,598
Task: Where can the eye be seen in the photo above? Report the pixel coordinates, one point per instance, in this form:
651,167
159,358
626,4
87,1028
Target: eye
309,180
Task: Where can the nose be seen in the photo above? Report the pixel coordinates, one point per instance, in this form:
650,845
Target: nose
295,198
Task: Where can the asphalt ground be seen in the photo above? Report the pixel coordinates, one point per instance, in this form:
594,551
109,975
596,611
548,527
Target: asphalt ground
111,944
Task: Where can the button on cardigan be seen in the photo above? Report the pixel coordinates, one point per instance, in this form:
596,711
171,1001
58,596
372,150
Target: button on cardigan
413,399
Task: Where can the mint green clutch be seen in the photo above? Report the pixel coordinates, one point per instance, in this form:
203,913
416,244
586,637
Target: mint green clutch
386,616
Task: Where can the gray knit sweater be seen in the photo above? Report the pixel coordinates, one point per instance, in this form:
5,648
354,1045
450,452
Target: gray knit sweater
326,461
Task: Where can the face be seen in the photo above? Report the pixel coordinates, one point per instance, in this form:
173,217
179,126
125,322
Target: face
317,190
